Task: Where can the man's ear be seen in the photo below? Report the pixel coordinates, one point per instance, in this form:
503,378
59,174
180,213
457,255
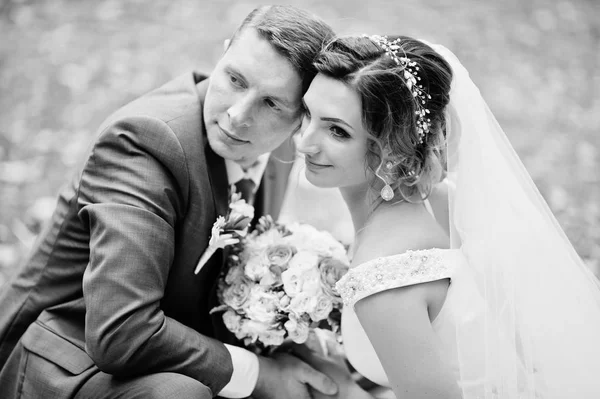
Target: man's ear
226,44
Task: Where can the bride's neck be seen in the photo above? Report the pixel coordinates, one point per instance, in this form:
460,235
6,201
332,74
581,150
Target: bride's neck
357,202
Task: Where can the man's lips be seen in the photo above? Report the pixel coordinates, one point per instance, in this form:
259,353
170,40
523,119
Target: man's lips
232,136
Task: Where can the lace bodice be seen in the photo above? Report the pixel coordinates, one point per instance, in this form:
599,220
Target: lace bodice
408,268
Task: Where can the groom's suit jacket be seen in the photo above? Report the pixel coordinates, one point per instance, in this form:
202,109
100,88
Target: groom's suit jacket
111,281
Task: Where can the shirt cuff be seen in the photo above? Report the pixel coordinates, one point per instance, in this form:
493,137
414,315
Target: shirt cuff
245,373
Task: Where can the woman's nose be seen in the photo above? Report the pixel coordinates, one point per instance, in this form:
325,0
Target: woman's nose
307,142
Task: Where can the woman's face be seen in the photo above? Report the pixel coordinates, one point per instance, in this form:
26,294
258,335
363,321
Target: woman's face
333,138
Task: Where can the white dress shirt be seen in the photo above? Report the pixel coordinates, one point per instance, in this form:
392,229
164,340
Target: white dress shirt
245,363
255,172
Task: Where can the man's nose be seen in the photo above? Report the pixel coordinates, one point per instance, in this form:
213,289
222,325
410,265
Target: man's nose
240,112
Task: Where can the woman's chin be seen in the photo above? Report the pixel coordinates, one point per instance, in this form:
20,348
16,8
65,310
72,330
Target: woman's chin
317,181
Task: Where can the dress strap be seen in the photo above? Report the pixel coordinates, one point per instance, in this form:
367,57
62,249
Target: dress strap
408,268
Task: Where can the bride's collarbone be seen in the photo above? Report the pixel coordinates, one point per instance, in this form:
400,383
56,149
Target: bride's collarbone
392,233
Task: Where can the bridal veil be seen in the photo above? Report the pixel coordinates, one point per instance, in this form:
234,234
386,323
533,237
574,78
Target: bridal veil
540,303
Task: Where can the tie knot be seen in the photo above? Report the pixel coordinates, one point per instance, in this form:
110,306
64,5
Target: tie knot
246,188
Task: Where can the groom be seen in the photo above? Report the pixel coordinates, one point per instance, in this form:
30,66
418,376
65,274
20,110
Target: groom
108,304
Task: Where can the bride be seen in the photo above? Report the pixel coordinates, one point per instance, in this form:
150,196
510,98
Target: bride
466,288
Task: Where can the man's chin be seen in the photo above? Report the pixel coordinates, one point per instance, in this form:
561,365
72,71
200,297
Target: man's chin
225,151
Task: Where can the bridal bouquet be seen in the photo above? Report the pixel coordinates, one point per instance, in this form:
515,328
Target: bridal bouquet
280,284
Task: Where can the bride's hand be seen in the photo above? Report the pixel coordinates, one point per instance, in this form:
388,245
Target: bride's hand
335,367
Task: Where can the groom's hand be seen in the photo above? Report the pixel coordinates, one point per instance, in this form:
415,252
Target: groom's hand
334,366
286,376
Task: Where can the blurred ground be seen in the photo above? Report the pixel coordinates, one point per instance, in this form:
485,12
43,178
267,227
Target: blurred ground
65,65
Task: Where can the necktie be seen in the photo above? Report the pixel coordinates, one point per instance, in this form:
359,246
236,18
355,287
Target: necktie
246,188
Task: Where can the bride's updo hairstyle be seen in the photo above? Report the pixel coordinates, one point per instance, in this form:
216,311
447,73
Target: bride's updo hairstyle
408,157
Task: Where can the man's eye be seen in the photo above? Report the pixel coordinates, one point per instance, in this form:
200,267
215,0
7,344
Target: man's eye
271,104
234,80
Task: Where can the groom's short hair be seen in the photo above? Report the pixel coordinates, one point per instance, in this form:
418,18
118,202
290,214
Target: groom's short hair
294,33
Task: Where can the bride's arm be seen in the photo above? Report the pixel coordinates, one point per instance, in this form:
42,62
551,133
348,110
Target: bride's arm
398,325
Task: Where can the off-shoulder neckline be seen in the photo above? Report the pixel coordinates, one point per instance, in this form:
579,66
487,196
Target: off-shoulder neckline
407,254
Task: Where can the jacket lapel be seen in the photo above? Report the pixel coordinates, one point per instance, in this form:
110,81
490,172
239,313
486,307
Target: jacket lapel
218,180
214,163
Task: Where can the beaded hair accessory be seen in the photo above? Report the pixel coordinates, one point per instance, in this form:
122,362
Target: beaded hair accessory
411,78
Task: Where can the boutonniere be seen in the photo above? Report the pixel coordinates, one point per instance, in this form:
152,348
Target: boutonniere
227,230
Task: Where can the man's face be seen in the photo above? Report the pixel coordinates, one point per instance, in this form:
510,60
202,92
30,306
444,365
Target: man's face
253,102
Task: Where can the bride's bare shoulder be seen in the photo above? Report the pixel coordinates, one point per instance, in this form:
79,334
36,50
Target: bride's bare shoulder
395,232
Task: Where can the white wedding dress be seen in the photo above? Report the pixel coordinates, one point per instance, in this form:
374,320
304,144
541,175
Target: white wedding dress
462,304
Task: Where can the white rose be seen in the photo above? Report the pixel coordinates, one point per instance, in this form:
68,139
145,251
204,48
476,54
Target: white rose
326,245
331,270
320,245
303,277
235,273
307,238
297,329
232,321
284,302
236,295
251,330
260,243
292,283
303,303
280,255
323,244
272,337
257,267
323,306
304,260
262,306
312,282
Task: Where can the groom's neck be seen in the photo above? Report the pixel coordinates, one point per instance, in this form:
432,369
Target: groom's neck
246,164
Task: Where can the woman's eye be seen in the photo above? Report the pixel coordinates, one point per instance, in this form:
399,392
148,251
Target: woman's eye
338,132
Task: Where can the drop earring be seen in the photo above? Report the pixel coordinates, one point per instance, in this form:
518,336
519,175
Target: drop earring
387,193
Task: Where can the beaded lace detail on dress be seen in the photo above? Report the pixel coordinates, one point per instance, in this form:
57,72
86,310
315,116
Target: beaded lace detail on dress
408,268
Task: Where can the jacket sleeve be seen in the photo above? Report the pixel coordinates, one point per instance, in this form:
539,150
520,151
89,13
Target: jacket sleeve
133,189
